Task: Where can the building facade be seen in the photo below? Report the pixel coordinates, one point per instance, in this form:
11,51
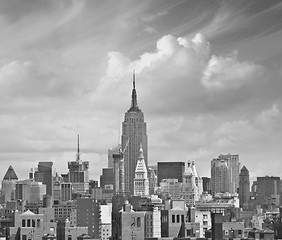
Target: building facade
134,132
244,188
141,181
170,170
79,173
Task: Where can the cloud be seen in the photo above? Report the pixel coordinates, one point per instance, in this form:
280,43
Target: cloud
228,73
153,17
149,30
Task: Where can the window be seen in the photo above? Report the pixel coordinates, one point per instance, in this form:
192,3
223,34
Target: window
138,222
23,223
28,223
173,218
182,218
178,218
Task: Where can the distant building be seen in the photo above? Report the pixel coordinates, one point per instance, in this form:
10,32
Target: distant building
170,188
233,164
44,175
111,152
79,174
219,176
153,181
141,181
134,133
244,188
107,178
170,170
9,185
32,192
88,215
206,184
192,186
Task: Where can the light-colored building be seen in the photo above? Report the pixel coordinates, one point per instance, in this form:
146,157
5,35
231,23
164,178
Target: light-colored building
219,176
134,132
32,192
192,186
34,226
141,181
233,170
111,152
204,219
170,188
106,221
9,184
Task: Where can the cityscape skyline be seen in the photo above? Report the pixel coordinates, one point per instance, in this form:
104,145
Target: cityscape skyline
208,81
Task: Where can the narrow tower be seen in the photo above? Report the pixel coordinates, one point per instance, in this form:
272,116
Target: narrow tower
78,172
244,188
141,182
133,128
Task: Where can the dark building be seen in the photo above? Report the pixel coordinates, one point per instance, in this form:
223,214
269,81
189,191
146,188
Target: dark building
107,178
134,133
244,188
217,233
206,184
44,175
170,170
88,215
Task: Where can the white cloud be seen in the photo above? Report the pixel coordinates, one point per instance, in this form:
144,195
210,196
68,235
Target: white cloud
228,73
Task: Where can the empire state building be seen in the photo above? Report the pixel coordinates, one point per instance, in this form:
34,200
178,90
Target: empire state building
134,133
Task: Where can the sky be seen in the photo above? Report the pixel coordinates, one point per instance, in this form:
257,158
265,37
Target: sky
208,79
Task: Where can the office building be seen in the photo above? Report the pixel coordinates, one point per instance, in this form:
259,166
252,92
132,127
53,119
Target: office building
88,215
244,188
107,178
233,165
134,133
9,185
111,152
32,192
219,176
78,174
206,184
170,170
44,175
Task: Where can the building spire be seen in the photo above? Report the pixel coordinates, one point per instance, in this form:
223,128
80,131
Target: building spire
78,151
134,105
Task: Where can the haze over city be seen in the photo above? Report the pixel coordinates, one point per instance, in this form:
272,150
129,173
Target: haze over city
208,79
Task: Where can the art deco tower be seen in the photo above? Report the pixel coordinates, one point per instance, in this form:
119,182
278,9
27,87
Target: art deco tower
134,130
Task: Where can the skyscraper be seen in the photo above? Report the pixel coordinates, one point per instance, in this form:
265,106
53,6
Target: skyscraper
219,176
134,130
244,188
225,174
234,169
44,174
78,173
9,184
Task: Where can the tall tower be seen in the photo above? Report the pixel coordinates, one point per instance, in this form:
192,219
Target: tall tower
78,173
219,176
44,174
141,181
233,169
244,188
9,184
134,129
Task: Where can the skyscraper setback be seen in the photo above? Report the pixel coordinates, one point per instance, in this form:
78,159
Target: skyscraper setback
134,131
